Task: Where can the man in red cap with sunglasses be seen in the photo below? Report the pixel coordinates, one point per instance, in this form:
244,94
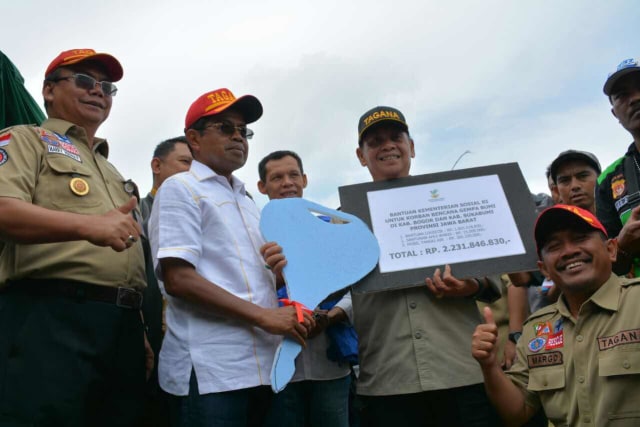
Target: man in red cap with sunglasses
72,347
578,359
222,312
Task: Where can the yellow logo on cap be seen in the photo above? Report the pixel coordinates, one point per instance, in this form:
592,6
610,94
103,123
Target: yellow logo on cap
218,98
79,186
381,115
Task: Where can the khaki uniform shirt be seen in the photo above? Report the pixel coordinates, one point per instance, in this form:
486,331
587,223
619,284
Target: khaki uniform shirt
37,165
585,371
411,341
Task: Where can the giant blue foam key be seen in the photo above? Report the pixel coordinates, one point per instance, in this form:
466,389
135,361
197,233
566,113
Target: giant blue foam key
322,258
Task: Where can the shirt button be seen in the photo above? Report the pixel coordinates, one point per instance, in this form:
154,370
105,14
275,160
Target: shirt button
417,335
579,338
626,364
413,305
580,379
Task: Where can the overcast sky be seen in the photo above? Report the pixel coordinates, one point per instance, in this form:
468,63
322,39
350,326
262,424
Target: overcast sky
510,81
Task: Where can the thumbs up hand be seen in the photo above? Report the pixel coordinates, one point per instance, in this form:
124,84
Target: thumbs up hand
484,342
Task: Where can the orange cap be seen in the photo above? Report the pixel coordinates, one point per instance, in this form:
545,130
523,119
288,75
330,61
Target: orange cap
563,217
216,101
74,56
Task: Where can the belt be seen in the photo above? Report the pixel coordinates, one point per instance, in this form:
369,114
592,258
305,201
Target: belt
121,297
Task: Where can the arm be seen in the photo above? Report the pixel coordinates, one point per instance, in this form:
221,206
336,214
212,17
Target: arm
182,281
507,398
518,307
23,222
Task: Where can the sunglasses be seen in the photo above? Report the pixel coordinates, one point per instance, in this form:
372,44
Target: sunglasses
83,81
228,129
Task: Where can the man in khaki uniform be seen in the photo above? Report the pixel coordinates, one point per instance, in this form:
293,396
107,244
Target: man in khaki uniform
72,347
578,359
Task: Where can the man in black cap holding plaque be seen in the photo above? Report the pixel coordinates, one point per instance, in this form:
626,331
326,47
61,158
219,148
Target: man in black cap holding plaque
415,365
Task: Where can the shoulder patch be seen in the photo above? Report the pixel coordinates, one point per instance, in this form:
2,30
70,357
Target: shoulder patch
4,139
4,157
605,173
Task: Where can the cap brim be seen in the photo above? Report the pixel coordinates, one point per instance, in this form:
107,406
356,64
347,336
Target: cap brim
249,106
383,121
555,165
556,218
613,78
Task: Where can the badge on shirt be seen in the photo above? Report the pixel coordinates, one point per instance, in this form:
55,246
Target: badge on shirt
4,139
617,186
552,358
79,186
555,341
537,344
542,328
4,157
60,144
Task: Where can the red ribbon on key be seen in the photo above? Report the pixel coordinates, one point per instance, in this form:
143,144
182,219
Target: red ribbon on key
299,308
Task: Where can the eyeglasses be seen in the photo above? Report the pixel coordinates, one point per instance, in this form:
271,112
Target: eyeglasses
229,129
83,81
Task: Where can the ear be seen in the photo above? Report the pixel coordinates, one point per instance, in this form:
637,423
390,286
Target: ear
47,91
261,187
612,248
614,113
304,180
193,136
413,149
155,165
360,155
543,269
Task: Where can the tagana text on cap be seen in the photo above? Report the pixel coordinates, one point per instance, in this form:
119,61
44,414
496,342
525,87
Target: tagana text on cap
380,114
625,67
569,155
562,217
75,56
219,100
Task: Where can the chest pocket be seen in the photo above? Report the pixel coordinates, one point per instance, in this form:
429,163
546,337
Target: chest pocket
546,379
54,187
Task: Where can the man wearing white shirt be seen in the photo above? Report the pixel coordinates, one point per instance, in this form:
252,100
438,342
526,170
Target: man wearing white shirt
222,313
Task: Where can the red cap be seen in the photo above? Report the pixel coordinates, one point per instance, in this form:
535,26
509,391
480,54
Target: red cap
562,217
215,102
75,56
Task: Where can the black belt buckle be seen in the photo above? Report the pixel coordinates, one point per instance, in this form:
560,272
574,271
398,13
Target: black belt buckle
129,298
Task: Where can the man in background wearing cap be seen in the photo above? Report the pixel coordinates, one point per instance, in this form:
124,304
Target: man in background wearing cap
618,193
222,311
577,358
318,393
413,364
72,348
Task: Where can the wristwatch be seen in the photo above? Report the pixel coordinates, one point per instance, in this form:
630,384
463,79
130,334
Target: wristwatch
514,336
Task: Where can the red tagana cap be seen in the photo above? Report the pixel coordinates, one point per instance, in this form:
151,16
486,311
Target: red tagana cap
562,217
219,100
75,56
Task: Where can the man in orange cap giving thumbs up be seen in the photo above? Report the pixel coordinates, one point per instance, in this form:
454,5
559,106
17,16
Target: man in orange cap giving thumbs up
578,359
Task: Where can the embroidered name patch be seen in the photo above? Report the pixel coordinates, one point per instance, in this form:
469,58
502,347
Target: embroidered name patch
622,337
545,359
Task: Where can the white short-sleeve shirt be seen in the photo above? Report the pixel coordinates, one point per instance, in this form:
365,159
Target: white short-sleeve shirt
198,216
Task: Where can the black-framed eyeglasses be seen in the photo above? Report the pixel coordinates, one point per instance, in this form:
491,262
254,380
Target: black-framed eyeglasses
84,81
229,129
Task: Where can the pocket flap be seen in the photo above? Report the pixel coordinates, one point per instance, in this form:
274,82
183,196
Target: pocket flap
619,363
65,165
548,378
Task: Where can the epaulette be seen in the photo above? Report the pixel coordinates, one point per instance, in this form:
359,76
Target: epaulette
544,311
625,282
